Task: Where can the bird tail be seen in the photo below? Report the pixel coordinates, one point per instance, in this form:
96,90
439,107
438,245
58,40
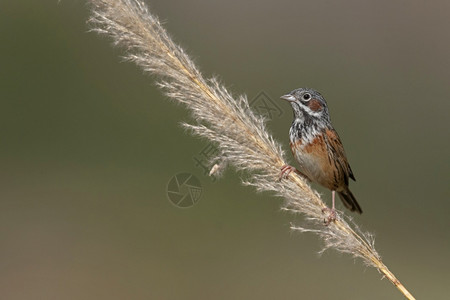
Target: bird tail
349,200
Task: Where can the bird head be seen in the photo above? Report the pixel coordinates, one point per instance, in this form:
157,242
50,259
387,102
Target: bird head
307,104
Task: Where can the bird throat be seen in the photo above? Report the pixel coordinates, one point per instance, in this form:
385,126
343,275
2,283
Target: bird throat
305,130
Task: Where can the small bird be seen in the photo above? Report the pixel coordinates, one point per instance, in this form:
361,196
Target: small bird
318,149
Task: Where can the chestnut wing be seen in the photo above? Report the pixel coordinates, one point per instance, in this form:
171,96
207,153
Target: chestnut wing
337,150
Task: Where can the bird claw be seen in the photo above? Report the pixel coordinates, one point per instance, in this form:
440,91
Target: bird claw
285,171
331,215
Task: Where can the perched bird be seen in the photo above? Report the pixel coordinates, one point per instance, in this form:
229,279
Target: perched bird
318,149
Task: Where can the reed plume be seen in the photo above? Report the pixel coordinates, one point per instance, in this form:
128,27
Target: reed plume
228,121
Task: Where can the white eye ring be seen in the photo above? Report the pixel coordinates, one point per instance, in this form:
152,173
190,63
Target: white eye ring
306,97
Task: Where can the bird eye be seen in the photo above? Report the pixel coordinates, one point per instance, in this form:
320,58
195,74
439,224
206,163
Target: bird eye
306,96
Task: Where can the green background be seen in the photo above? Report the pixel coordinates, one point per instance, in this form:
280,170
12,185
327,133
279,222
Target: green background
88,145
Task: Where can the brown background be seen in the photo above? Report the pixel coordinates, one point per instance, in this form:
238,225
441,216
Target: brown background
88,145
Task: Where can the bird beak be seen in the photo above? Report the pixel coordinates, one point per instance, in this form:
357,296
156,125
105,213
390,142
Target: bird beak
288,97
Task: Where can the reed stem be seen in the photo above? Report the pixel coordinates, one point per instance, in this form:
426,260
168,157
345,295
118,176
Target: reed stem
228,121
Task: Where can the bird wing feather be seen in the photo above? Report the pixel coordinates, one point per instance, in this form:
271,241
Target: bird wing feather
337,149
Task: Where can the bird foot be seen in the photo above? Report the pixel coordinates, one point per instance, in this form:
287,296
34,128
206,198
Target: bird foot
285,171
331,215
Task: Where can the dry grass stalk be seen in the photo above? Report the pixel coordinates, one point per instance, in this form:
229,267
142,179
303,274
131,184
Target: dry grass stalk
239,133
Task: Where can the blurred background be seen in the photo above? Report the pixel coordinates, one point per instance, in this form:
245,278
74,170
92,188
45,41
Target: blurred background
88,147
